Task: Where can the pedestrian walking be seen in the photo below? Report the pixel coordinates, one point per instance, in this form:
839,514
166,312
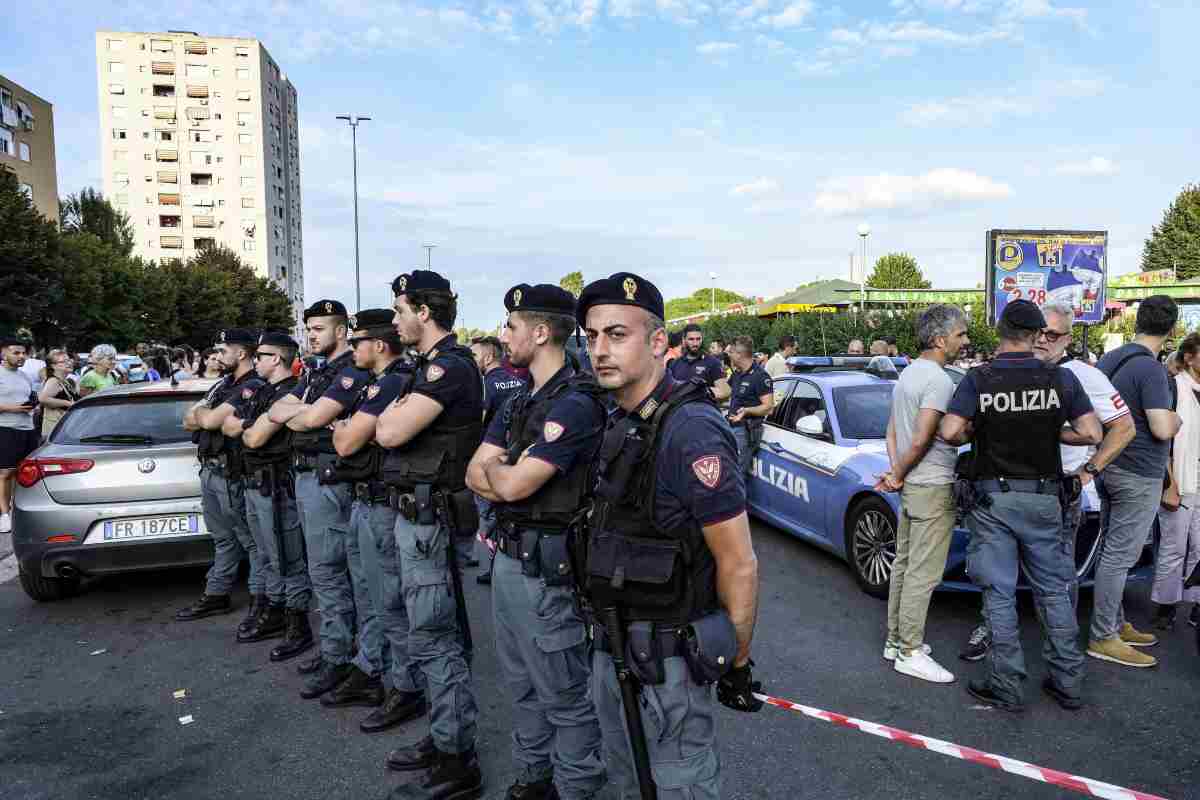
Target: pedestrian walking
18,437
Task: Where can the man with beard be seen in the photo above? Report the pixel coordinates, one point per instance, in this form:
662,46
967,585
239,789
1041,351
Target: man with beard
223,496
431,431
321,396
694,364
669,559
18,434
533,464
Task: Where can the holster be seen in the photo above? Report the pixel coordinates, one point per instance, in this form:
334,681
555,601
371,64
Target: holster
1070,487
643,652
710,647
426,512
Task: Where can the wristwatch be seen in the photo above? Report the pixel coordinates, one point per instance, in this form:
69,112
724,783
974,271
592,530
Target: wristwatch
1091,469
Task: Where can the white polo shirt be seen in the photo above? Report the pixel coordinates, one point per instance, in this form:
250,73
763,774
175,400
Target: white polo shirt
1107,402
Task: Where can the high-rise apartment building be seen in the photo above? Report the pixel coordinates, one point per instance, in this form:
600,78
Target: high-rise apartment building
199,144
27,145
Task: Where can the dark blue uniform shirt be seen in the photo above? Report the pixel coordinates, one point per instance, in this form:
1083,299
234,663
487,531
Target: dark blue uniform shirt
454,383
381,393
346,386
966,397
747,388
707,368
697,465
343,361
498,385
572,431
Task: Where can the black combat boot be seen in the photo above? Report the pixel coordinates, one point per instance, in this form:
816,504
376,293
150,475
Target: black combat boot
268,625
324,679
296,638
258,604
412,757
453,776
541,790
207,606
398,707
310,665
358,689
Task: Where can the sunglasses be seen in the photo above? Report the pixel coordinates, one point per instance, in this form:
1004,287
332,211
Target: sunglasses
261,354
1053,336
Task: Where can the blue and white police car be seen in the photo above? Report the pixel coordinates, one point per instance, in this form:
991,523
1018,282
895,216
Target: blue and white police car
822,450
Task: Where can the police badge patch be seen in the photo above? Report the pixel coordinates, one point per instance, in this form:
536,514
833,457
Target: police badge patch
551,431
708,470
372,391
434,372
347,383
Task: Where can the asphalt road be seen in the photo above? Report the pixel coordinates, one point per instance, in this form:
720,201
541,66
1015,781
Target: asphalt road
87,707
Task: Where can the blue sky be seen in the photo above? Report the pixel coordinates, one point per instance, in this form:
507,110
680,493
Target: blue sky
678,137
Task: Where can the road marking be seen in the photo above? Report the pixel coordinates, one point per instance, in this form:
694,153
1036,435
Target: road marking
8,569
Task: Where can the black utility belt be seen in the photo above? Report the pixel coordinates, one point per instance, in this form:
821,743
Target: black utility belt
708,645
1028,485
542,555
373,492
667,637
303,461
213,462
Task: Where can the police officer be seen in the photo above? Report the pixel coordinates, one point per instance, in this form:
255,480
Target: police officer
498,385
1015,408
223,495
751,400
320,397
669,552
534,464
383,645
271,501
693,363
432,430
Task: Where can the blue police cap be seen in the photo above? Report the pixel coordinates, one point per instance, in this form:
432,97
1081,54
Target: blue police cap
623,289
419,280
544,297
325,308
277,339
372,323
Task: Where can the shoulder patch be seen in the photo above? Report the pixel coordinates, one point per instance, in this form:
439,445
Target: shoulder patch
372,390
347,382
434,373
551,431
708,470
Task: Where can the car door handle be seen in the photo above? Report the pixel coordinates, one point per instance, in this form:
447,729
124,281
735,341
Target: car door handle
776,446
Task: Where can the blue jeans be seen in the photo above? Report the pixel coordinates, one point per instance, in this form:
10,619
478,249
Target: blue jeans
1129,503
1023,529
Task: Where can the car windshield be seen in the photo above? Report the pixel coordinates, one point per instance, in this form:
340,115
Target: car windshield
126,420
863,411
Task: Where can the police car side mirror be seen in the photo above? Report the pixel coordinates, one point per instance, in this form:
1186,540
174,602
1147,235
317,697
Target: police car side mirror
811,425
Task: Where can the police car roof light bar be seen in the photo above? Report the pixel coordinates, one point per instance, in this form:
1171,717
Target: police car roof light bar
857,363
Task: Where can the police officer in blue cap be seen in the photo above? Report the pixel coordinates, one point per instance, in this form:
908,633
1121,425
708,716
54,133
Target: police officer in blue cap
323,395
672,579
271,501
533,465
223,497
431,431
1014,409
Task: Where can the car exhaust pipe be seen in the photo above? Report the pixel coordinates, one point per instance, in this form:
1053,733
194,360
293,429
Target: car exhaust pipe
66,571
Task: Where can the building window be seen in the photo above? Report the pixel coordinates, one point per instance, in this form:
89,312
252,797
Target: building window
196,70
248,245
196,48
116,88
202,179
201,157
162,67
241,52
165,136
6,142
120,178
27,190
118,155
246,161
24,150
116,44
164,90
119,112
247,202
244,118
245,138
201,136
247,182
243,74
160,45
120,134
116,68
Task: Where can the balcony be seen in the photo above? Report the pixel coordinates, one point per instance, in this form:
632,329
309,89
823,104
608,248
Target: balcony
197,91
166,155
197,112
162,68
169,221
204,222
164,112
168,177
204,243
164,90
196,48
171,242
165,199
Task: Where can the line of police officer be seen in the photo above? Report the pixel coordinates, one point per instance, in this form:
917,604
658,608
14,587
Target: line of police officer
620,534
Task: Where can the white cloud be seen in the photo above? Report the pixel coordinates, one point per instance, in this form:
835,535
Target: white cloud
1043,9
818,67
1096,166
790,17
924,33
716,48
755,188
771,46
845,36
984,109
886,192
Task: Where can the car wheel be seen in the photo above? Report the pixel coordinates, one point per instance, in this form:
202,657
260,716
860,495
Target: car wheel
46,590
871,545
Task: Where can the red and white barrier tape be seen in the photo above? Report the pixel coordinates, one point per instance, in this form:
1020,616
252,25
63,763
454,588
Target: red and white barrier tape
1091,788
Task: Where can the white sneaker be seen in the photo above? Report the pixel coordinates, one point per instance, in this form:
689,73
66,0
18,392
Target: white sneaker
6,522
918,664
890,651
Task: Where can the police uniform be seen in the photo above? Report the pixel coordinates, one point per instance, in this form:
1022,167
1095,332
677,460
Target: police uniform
664,471
705,367
498,385
383,625
426,472
747,389
325,512
540,635
223,498
274,520
1018,406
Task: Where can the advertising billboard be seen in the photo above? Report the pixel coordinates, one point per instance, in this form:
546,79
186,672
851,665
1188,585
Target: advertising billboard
1043,266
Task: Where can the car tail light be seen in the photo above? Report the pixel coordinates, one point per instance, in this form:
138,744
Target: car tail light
32,470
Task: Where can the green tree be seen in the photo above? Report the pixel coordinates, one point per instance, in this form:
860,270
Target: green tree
1174,243
572,282
89,212
30,274
700,301
106,295
897,271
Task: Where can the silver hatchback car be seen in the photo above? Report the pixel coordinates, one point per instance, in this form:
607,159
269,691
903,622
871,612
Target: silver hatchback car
115,489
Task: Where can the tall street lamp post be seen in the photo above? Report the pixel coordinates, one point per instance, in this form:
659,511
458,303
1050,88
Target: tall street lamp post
353,121
864,230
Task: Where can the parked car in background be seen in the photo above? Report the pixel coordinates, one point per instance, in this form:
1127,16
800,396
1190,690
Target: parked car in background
115,489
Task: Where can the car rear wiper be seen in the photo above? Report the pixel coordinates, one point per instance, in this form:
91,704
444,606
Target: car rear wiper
118,438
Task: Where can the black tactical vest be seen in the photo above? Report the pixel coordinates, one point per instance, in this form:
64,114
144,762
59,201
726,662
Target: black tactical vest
210,444
278,449
646,571
364,464
319,381
439,454
560,499
1017,422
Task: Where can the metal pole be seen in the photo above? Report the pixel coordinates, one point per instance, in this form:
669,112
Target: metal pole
429,255
357,281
